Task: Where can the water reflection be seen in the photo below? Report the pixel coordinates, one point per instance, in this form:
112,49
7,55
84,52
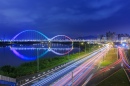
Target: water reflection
18,54
29,45
34,51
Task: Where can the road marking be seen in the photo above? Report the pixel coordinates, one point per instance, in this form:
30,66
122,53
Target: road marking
126,75
108,77
88,80
121,64
112,67
62,71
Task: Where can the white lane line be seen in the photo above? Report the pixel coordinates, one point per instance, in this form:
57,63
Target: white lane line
88,80
40,83
93,53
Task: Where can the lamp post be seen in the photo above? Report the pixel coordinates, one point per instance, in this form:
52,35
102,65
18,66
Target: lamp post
88,47
37,62
68,55
85,47
117,52
79,47
72,78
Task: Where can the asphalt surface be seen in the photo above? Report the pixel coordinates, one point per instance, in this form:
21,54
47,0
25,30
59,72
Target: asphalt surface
59,74
80,72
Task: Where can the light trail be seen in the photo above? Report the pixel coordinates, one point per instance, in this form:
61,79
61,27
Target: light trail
81,71
46,80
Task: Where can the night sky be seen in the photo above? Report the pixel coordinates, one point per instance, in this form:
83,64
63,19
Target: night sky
71,17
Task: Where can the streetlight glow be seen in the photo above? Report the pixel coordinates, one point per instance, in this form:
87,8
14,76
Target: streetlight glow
82,43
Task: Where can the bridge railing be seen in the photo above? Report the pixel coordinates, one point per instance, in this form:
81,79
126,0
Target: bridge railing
5,78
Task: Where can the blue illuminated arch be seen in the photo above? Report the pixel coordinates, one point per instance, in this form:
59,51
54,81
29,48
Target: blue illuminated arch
33,58
25,57
27,31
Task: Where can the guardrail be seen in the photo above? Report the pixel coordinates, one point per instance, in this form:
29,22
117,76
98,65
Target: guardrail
5,78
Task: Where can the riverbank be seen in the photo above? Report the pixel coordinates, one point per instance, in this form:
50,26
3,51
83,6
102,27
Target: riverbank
44,64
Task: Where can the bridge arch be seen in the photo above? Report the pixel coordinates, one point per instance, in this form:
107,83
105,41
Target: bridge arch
23,56
29,31
68,39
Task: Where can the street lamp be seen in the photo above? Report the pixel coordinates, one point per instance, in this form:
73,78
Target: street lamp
85,47
37,61
82,43
79,47
68,55
88,46
117,52
72,78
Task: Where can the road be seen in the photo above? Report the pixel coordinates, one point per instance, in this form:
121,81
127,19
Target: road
79,68
80,73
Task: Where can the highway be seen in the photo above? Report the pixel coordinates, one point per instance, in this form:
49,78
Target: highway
79,75
73,72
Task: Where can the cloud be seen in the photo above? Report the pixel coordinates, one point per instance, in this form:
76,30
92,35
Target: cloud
57,14
16,16
14,12
91,10
96,4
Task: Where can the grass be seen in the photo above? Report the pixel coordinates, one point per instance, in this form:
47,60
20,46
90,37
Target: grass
110,57
118,79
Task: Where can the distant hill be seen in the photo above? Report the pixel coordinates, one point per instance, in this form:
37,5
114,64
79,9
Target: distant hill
87,37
